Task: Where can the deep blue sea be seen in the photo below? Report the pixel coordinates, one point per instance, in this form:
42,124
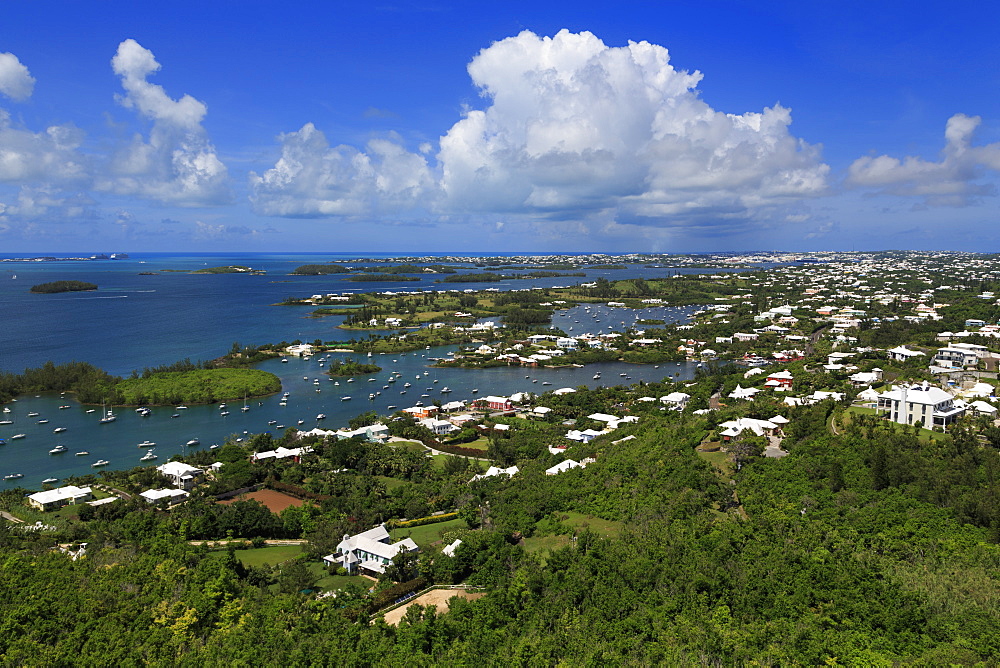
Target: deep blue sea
135,321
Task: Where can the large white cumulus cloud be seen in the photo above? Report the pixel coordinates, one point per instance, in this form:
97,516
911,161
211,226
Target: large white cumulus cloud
16,81
177,164
948,182
575,128
313,179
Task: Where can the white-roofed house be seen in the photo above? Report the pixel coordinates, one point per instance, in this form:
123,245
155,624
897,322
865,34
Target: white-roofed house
902,353
743,392
675,400
495,471
449,550
158,497
439,427
282,453
734,428
780,380
983,408
59,497
182,475
564,465
908,404
369,551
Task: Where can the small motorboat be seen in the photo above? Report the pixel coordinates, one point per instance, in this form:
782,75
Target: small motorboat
58,449
193,441
83,453
100,462
148,457
49,481
58,430
13,476
146,444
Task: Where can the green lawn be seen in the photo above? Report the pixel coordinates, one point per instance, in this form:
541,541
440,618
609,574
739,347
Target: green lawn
439,461
539,545
268,555
719,459
329,582
390,483
428,533
481,443
606,528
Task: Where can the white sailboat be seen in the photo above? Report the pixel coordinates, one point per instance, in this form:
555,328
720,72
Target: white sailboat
109,415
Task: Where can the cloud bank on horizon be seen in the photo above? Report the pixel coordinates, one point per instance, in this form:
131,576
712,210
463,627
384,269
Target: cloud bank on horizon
571,131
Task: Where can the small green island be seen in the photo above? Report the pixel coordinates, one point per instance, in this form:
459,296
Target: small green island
351,368
232,269
197,386
63,286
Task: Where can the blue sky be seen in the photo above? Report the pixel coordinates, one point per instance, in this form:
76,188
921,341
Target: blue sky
438,126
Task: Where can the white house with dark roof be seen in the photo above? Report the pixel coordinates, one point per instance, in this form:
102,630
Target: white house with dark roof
369,551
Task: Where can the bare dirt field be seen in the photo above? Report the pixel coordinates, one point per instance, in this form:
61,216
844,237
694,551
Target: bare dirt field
437,597
275,501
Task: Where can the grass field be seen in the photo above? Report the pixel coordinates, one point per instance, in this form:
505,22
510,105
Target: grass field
268,555
328,582
481,443
718,459
390,483
428,533
539,545
606,528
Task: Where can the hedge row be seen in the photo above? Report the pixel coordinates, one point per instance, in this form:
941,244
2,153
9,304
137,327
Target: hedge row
421,521
297,492
395,592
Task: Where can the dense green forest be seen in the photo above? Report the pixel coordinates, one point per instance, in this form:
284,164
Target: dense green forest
63,286
817,558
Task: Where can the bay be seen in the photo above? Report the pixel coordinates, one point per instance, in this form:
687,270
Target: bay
135,321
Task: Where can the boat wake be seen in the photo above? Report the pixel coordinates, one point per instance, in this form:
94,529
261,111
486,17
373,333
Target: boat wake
107,297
